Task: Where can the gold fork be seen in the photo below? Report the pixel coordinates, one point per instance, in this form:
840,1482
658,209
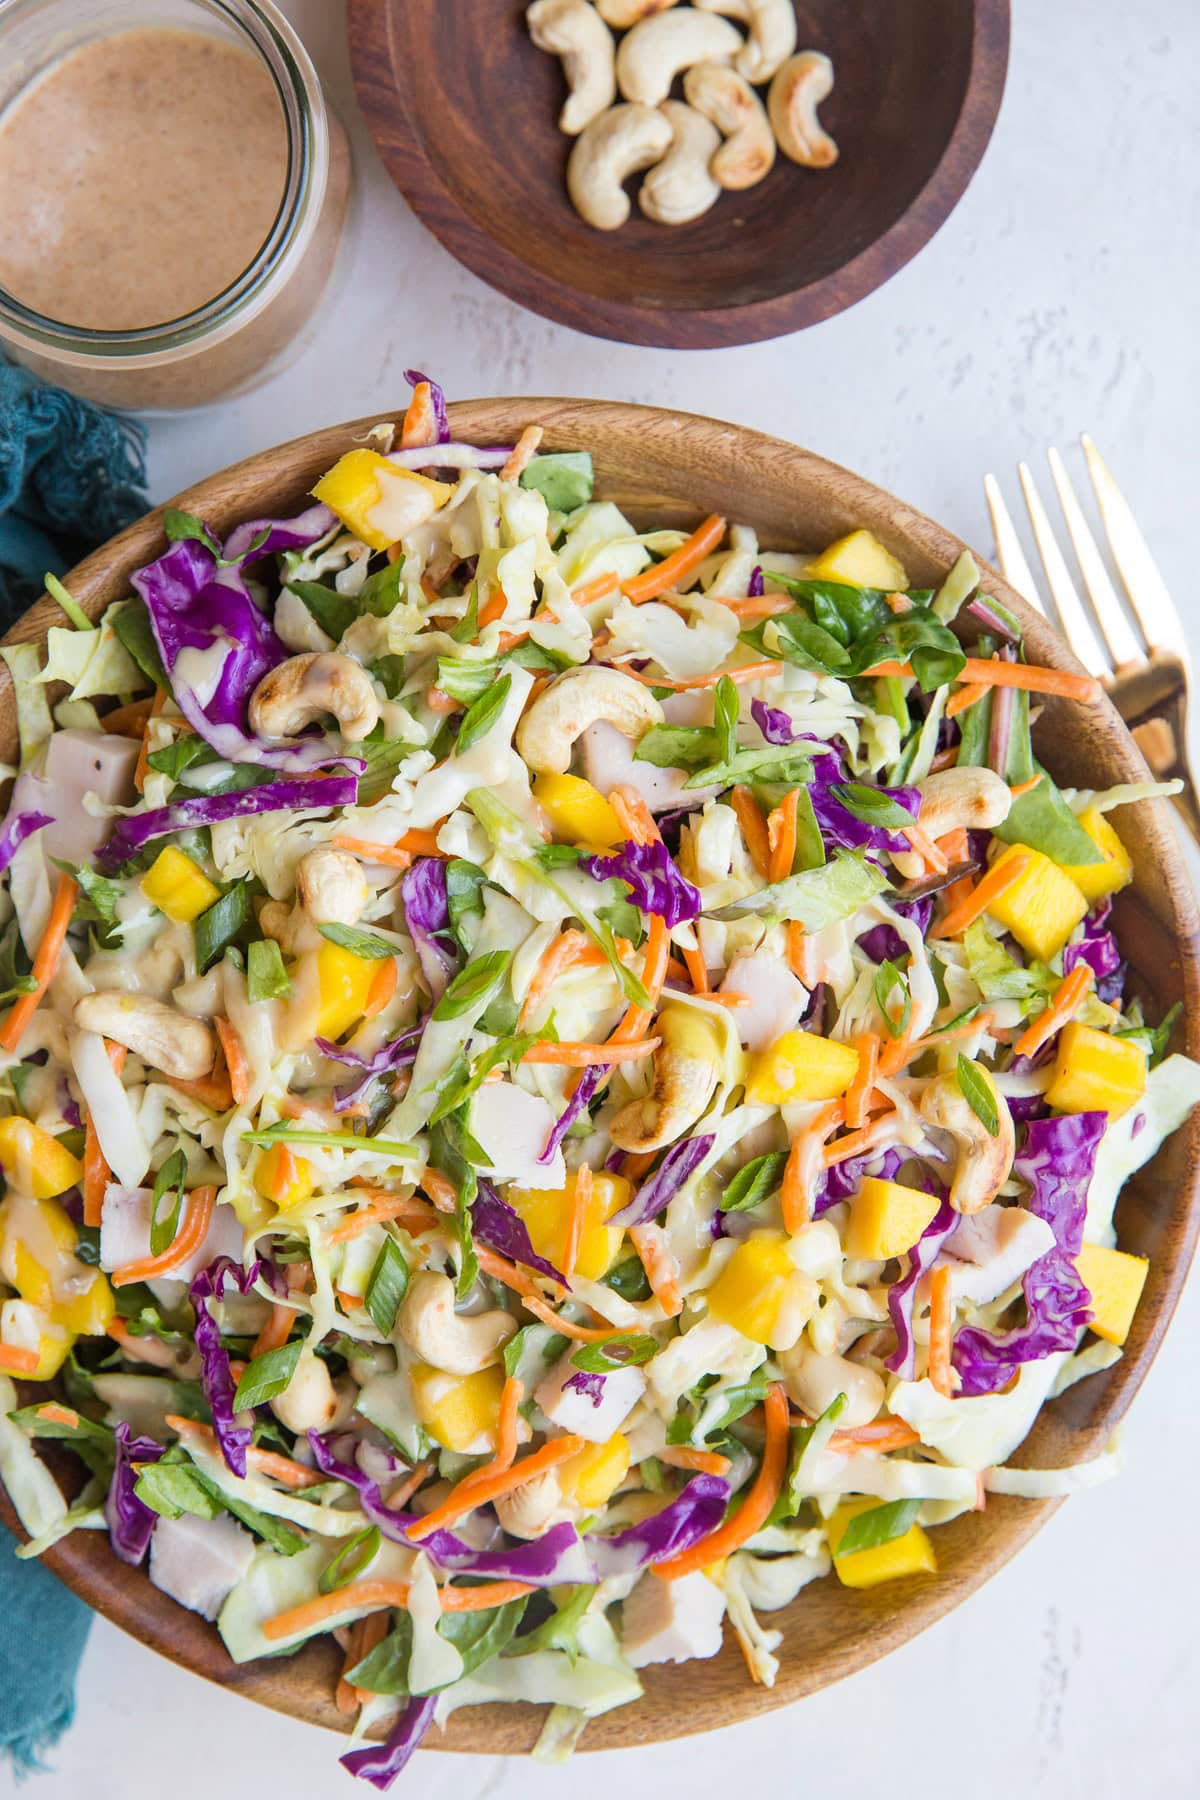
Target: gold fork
1149,681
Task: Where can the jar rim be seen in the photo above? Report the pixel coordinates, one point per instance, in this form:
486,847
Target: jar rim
263,29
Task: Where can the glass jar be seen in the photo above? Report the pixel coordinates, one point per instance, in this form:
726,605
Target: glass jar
229,340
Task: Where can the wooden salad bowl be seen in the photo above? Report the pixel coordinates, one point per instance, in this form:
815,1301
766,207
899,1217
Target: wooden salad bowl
463,108
675,468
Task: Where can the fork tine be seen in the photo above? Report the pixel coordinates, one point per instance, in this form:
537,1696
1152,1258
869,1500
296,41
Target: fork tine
1009,554
1115,629
1076,626
1156,614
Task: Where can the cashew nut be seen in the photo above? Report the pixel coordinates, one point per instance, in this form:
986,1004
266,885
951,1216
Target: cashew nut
304,687
814,1381
621,14
574,30
662,47
966,799
162,1036
529,1510
331,886
448,1340
983,1161
611,149
312,1400
680,187
727,98
796,92
772,33
582,697
687,1066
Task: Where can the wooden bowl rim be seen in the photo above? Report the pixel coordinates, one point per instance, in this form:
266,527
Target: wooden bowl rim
302,1686
384,99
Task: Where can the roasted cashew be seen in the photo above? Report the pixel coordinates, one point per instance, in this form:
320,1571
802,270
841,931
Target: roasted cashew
611,149
662,47
161,1035
529,1510
796,92
727,98
814,1381
331,886
983,1161
546,734
966,799
450,1341
687,1066
772,34
680,187
305,687
312,1400
621,14
574,31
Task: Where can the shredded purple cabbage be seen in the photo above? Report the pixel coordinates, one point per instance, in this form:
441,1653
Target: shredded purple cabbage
775,725
131,833
17,827
398,1054
983,614
654,1194
1057,1161
381,1763
883,943
130,1521
1098,948
216,1376
654,882
242,545
584,1383
586,1089
453,456
842,1180
414,378
502,1229
838,827
756,587
427,915
902,1293
691,1516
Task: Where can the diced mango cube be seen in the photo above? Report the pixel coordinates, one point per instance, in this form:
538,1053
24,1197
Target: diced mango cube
1096,880
860,560
34,1162
344,981
800,1066
177,887
760,1291
284,1177
910,1554
26,1327
461,1411
89,1311
378,501
1115,1281
886,1219
1042,907
578,812
1096,1072
547,1212
592,1475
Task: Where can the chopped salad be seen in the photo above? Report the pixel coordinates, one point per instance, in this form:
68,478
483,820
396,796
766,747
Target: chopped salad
560,1081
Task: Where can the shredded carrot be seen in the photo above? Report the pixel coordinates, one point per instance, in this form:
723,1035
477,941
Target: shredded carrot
481,1492
965,697
781,836
754,1511
933,857
633,815
45,963
147,1348
422,843
500,1269
213,1091
799,946
982,1021
880,1436
898,603
795,1197
508,640
558,955
142,767
235,1061
1030,676
754,828
127,721
384,854
493,608
654,973
275,1333
318,1112
857,1143
439,702
679,565
511,1396
193,1230
1025,787
707,1462
413,1482
20,1362
581,1197
999,878
756,606
54,1414
758,671
312,1614
440,1190
523,453
662,1270
857,1094
581,1334
414,1214
363,1636
1066,999
420,422
595,590
282,1469
697,969
587,1056
384,983
941,1332
96,1172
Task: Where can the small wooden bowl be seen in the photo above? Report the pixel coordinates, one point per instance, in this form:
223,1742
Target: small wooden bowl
676,468
464,111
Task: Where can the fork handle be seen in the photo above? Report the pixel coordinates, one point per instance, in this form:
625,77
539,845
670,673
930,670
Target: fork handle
1152,699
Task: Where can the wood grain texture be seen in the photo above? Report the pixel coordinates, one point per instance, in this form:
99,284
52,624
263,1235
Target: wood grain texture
676,468
463,109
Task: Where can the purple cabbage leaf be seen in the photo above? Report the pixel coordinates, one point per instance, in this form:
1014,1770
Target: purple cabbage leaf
130,1521
131,833
427,915
677,1166
216,1376
654,882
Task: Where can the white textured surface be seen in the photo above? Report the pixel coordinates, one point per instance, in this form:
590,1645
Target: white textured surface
1060,296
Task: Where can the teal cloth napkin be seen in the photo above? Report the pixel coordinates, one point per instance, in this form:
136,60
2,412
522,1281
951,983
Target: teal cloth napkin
70,476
